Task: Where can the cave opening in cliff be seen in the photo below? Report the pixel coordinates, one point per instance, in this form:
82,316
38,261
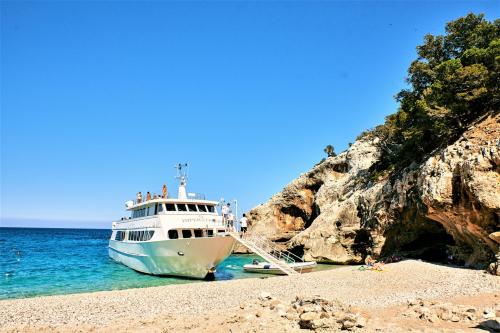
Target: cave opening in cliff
429,246
420,239
314,214
363,242
298,250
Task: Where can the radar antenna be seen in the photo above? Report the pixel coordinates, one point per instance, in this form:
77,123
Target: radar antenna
182,169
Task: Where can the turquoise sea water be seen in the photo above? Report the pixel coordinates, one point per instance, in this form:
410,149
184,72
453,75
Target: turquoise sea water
37,262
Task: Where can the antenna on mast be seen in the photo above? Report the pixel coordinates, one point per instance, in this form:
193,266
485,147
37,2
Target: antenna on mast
182,176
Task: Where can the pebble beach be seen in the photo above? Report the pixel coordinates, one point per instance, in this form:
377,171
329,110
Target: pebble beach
193,306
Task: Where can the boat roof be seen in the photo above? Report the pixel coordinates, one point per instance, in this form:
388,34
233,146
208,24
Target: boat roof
172,200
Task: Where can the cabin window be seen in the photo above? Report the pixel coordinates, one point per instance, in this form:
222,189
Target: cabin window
210,233
186,233
150,234
210,208
139,213
221,230
160,207
170,207
181,208
120,235
192,207
202,208
198,233
173,234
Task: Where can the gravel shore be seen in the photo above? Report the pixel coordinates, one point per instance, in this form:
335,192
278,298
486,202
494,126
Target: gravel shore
398,283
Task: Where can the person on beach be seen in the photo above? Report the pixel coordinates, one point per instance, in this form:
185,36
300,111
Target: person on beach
244,224
164,191
148,196
139,197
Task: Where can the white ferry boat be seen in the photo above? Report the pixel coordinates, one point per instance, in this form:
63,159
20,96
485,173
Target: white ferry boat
183,236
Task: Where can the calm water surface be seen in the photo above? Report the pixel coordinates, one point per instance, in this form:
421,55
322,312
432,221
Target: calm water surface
36,261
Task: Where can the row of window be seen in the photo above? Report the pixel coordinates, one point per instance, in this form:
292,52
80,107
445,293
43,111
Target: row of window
171,207
140,235
135,235
190,233
148,210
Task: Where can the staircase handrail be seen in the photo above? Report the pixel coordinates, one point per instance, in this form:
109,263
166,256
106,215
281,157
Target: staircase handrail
271,247
269,251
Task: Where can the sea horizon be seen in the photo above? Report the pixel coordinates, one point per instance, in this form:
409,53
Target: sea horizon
57,223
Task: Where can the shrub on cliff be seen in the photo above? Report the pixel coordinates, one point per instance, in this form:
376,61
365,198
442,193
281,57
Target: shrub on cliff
454,81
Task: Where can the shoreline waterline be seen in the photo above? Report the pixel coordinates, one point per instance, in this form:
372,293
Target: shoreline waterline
400,282
43,261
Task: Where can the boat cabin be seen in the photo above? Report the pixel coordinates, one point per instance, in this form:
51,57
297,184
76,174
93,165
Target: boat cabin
171,206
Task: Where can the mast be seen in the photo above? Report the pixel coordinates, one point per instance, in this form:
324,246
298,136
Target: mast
182,176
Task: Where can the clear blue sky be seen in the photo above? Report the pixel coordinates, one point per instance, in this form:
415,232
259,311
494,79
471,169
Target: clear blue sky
100,99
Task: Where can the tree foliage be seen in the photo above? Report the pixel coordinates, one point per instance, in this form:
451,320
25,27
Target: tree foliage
454,81
330,151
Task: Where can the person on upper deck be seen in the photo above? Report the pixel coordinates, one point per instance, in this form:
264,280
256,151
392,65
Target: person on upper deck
148,196
244,223
164,191
225,213
230,221
139,197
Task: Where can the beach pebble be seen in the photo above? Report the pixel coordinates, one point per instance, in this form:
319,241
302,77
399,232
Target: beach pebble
489,313
264,295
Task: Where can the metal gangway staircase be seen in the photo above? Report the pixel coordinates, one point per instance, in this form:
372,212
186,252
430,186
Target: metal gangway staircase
269,251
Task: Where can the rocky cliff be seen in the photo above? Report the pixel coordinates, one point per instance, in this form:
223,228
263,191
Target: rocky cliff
446,208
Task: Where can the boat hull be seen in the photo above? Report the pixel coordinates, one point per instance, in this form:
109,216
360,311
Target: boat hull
192,257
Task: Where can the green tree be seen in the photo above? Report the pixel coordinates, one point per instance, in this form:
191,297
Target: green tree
454,81
330,151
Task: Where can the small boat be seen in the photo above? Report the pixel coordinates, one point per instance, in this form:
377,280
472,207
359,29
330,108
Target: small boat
268,268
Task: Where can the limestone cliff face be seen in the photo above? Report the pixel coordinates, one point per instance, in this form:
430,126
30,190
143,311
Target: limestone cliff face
447,206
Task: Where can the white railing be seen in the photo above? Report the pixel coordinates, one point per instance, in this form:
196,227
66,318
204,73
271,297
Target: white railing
273,249
270,252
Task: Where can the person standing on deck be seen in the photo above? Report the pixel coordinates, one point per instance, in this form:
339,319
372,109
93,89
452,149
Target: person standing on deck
148,196
139,197
230,221
244,224
164,191
225,214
